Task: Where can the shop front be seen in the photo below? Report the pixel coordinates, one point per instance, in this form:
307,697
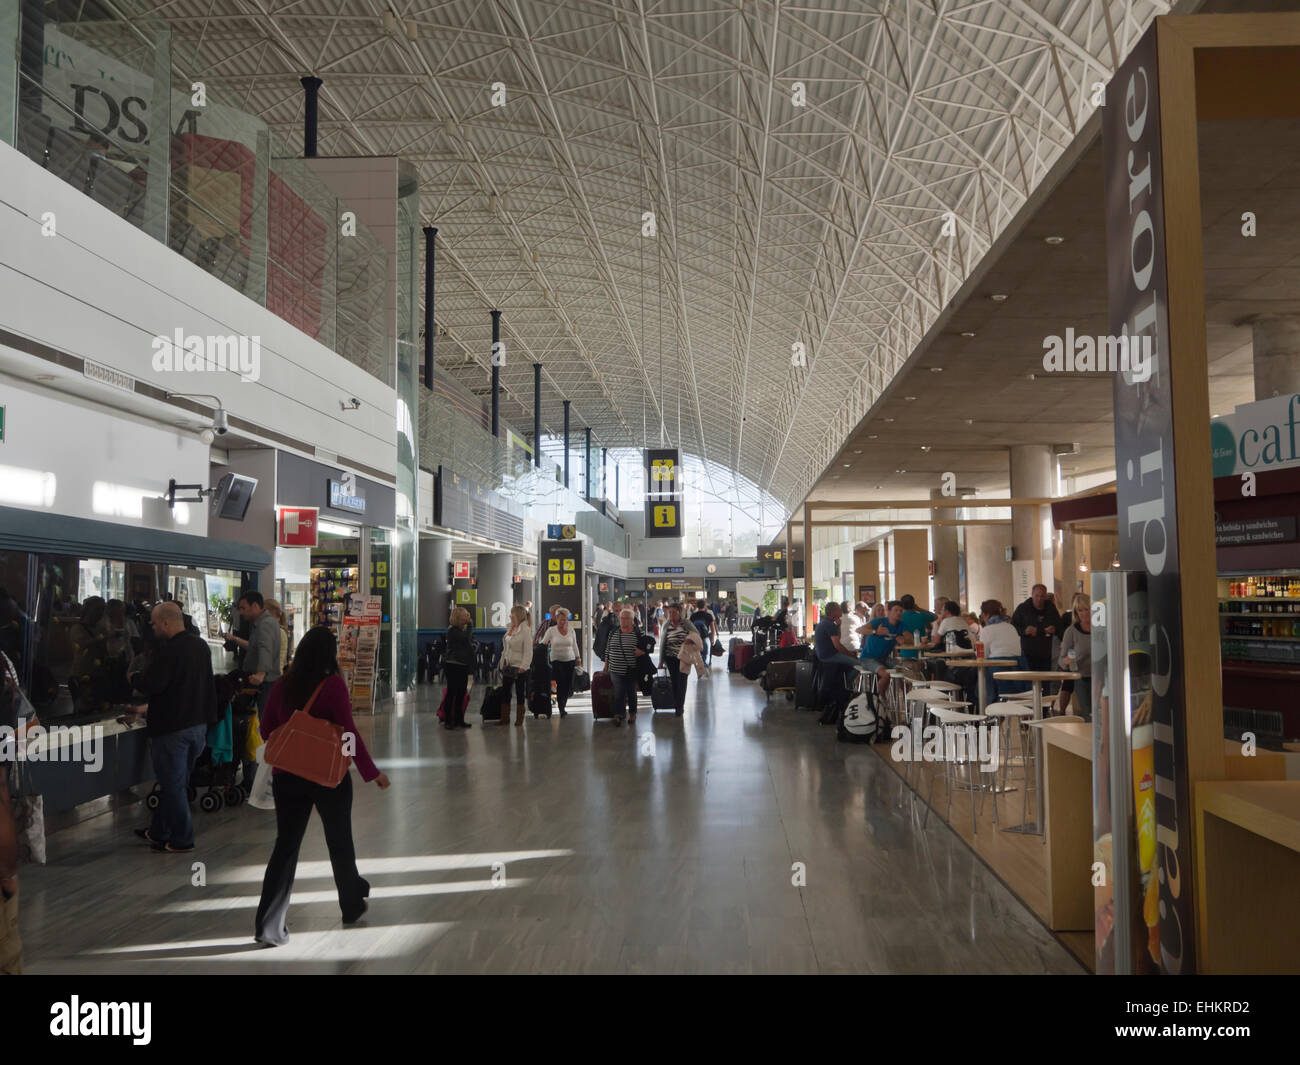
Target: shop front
336,541
75,597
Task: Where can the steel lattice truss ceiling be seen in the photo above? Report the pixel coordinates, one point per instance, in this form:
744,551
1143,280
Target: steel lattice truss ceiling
822,225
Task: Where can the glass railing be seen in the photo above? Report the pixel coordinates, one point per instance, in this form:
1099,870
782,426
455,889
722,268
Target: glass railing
458,443
112,111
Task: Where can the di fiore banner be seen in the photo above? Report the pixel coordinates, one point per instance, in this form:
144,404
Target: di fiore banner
1137,282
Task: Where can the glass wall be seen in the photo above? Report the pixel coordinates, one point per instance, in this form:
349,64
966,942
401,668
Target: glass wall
74,626
725,515
126,121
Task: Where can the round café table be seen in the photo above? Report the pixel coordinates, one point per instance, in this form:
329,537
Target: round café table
1036,678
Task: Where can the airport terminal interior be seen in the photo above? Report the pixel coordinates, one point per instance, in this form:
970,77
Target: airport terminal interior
649,487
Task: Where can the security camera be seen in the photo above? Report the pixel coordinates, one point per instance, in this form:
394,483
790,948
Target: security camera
220,424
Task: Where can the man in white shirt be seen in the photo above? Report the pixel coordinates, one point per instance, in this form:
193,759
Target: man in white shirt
849,624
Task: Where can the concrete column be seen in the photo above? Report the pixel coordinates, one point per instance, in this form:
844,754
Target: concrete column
1276,341
496,589
433,599
944,539
1032,476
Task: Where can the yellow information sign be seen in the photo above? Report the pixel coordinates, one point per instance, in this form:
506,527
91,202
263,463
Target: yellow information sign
665,516
553,580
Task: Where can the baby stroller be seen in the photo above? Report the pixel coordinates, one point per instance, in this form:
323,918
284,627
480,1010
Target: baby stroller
217,766
214,771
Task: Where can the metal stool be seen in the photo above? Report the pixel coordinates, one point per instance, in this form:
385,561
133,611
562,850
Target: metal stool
955,722
1010,716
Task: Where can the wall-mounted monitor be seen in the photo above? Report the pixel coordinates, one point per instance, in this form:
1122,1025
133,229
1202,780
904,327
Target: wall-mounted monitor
232,496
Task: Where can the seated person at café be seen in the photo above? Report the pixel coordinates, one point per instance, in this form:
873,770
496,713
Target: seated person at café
832,655
954,623
917,622
1001,640
879,644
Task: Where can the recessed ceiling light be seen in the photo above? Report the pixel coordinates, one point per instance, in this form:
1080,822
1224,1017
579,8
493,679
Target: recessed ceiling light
936,369
970,421
968,334
848,465
1053,240
880,486
871,436
858,450
999,297
900,471
910,399
1032,377
925,447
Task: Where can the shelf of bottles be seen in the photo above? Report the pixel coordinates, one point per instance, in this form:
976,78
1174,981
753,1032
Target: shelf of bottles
1259,617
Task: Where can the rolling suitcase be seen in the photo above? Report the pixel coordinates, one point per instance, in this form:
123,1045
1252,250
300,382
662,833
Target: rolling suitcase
493,695
662,696
732,644
805,684
602,696
780,676
744,655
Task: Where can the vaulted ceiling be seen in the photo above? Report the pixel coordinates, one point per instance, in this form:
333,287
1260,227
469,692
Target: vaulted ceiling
823,176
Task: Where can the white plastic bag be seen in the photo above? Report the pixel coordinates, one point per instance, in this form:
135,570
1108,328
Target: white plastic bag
262,797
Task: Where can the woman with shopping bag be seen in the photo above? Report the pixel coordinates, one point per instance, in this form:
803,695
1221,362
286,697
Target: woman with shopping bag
310,741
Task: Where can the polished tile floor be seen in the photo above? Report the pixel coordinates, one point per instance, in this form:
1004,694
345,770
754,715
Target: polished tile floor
740,838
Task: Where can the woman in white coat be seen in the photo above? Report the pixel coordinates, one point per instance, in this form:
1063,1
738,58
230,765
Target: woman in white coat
516,658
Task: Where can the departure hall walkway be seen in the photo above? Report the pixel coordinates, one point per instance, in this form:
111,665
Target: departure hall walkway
667,849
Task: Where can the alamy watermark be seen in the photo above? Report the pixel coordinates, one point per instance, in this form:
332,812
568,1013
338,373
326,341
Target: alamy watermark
180,353
60,743
973,743
1108,354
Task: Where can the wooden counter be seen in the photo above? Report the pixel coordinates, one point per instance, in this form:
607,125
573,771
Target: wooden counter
1067,749
1248,876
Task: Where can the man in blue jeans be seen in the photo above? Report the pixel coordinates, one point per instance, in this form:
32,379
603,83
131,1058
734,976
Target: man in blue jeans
182,704
832,654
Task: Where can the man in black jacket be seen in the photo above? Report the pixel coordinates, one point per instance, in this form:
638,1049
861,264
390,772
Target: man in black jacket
1037,620
182,704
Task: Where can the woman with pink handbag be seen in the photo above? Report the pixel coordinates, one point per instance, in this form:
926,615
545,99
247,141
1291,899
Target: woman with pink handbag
313,688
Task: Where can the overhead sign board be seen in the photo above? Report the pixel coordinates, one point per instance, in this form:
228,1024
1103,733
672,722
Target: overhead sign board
562,532
461,570
663,471
663,517
667,569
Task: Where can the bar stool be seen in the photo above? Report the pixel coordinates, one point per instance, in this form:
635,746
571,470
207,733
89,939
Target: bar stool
955,722
1010,716
924,699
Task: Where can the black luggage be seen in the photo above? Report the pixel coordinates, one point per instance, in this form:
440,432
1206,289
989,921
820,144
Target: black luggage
539,701
780,675
662,696
805,684
494,695
755,667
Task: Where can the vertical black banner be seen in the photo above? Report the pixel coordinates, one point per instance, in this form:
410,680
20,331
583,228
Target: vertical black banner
663,488
1144,460
560,578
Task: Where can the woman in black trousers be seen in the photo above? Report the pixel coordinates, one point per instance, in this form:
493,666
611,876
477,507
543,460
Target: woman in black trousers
458,662
312,684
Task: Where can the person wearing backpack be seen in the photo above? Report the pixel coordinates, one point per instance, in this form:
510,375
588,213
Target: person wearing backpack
707,626
312,684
